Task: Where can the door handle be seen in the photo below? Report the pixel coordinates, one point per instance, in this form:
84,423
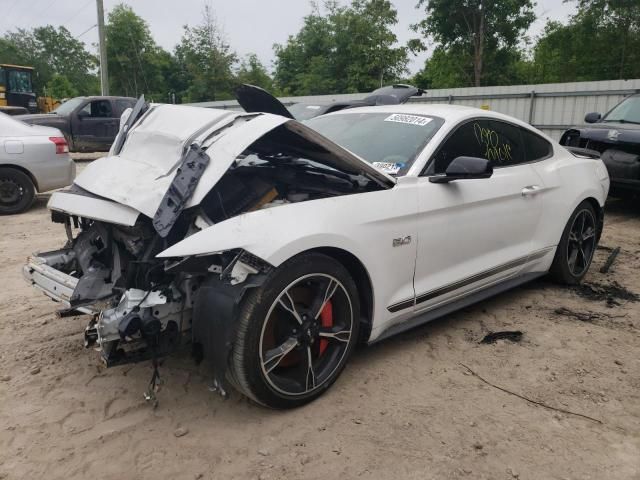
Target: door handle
531,190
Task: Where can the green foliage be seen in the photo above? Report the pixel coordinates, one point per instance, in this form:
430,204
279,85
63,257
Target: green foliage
346,49
136,64
601,42
61,87
476,40
451,68
52,52
252,71
206,61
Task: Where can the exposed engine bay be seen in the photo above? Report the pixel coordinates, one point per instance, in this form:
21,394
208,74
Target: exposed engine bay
142,306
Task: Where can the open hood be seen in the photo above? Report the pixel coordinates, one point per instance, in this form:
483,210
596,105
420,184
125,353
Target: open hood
392,94
256,99
156,146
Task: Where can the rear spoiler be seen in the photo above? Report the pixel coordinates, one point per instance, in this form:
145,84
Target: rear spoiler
584,152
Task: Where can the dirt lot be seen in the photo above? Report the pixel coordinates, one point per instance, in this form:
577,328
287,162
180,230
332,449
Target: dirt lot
406,408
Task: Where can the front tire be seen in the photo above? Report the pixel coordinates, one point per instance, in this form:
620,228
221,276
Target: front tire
296,332
17,191
577,246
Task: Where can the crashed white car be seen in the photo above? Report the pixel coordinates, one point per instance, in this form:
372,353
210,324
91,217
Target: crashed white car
274,247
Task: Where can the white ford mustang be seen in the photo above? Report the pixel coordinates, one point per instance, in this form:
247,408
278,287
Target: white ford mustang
274,247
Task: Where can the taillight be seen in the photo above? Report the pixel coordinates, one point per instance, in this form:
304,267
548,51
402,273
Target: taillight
61,144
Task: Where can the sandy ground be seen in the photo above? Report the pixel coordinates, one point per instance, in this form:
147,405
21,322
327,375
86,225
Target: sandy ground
403,409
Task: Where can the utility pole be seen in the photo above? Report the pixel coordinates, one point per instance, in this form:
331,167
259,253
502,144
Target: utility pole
104,75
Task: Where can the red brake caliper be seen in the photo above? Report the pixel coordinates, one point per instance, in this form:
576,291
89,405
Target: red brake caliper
326,320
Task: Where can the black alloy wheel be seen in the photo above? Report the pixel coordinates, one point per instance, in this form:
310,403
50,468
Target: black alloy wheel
582,242
296,332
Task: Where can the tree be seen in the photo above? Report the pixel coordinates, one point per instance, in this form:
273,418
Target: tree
252,71
475,29
346,49
451,67
60,87
52,52
610,28
206,60
136,64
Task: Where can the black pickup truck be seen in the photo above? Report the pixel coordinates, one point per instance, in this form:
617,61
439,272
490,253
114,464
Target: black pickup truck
616,136
88,123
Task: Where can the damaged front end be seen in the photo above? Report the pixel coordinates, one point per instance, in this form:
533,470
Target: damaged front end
178,171
109,272
140,307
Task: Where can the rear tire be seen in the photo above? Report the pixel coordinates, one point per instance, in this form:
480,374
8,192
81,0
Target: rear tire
17,191
295,332
577,246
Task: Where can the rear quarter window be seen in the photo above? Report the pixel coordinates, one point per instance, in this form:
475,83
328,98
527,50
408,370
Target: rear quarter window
535,147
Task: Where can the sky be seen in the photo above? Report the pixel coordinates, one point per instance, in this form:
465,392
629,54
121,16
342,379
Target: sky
250,26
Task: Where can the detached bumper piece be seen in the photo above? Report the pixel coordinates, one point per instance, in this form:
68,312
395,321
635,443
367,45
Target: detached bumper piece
41,272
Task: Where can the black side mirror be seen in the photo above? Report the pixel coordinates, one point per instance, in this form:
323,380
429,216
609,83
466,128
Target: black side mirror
83,114
465,168
592,117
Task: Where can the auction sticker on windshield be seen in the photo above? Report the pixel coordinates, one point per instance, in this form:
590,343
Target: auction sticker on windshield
390,168
410,119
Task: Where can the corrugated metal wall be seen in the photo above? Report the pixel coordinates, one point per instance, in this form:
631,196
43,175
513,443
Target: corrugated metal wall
551,107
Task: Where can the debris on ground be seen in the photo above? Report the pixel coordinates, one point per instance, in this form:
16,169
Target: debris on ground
612,257
585,316
534,402
609,293
582,316
492,337
180,432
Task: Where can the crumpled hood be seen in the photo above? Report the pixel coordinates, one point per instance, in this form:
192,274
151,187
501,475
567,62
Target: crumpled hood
142,172
140,175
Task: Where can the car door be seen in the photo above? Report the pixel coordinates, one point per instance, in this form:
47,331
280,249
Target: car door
97,124
478,232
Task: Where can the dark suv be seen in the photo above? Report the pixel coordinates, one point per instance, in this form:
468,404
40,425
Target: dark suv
616,136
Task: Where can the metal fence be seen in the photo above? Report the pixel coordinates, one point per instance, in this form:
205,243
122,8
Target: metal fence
551,107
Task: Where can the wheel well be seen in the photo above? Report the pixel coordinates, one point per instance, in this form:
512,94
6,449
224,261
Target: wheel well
361,277
23,170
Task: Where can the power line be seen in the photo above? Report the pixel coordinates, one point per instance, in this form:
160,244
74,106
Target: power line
87,30
77,12
10,9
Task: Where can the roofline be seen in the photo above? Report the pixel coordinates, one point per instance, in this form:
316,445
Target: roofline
15,66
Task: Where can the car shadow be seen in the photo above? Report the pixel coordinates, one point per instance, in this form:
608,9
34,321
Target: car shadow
40,202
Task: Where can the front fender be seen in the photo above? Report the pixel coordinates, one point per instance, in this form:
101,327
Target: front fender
274,234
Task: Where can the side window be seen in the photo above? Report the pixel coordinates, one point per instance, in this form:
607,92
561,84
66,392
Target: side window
535,147
98,109
503,144
122,105
465,141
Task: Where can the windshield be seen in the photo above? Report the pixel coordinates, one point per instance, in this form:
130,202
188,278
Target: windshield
69,106
389,141
628,111
19,81
303,111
